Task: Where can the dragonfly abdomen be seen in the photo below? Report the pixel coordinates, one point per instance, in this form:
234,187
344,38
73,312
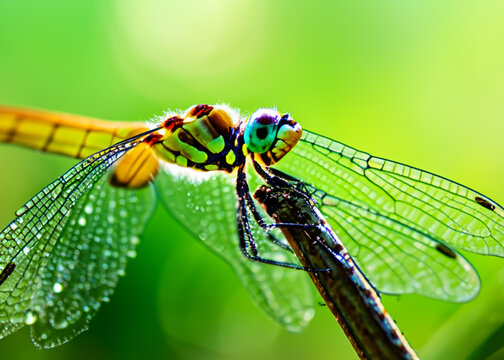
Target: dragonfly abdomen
72,135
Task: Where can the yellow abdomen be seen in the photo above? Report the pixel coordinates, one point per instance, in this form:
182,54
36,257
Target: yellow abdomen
79,137
71,135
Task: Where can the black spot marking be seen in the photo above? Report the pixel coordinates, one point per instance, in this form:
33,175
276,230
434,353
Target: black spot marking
262,132
6,272
484,203
445,250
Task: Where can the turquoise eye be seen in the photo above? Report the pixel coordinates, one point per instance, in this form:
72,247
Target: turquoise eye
261,130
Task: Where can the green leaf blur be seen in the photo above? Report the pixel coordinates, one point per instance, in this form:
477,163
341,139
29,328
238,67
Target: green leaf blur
419,82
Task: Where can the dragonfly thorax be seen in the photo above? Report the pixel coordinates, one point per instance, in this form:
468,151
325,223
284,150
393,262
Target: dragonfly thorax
204,138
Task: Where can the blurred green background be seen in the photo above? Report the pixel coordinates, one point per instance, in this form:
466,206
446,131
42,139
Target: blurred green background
421,82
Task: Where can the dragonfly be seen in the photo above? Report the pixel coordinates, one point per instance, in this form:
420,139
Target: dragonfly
63,254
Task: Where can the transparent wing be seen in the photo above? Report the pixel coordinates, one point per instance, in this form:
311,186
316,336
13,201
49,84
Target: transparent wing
397,221
101,233
43,282
206,205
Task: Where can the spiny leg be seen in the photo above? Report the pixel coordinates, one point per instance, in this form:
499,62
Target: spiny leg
247,243
259,219
271,180
298,184
245,233
277,178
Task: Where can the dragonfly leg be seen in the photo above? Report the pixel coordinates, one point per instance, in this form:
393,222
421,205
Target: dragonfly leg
245,201
248,247
247,243
277,178
270,179
257,216
299,184
260,221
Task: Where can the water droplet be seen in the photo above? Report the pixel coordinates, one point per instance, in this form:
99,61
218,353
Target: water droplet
131,254
82,221
59,323
57,288
123,213
88,209
13,226
135,240
309,314
30,317
26,250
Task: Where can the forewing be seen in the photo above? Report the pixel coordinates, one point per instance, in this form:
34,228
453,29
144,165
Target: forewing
206,204
101,233
397,221
27,244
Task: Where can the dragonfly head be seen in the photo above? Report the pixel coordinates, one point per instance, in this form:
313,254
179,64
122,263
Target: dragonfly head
271,134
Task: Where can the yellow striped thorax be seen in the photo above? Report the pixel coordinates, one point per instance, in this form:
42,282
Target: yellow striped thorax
204,138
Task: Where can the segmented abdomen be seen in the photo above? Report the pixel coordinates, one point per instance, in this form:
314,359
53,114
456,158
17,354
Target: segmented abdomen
71,135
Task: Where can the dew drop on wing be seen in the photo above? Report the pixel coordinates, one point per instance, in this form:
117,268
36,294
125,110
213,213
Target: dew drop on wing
59,322
57,288
135,240
82,221
30,317
88,209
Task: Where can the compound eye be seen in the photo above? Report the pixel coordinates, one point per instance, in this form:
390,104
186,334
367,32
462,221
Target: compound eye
260,132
